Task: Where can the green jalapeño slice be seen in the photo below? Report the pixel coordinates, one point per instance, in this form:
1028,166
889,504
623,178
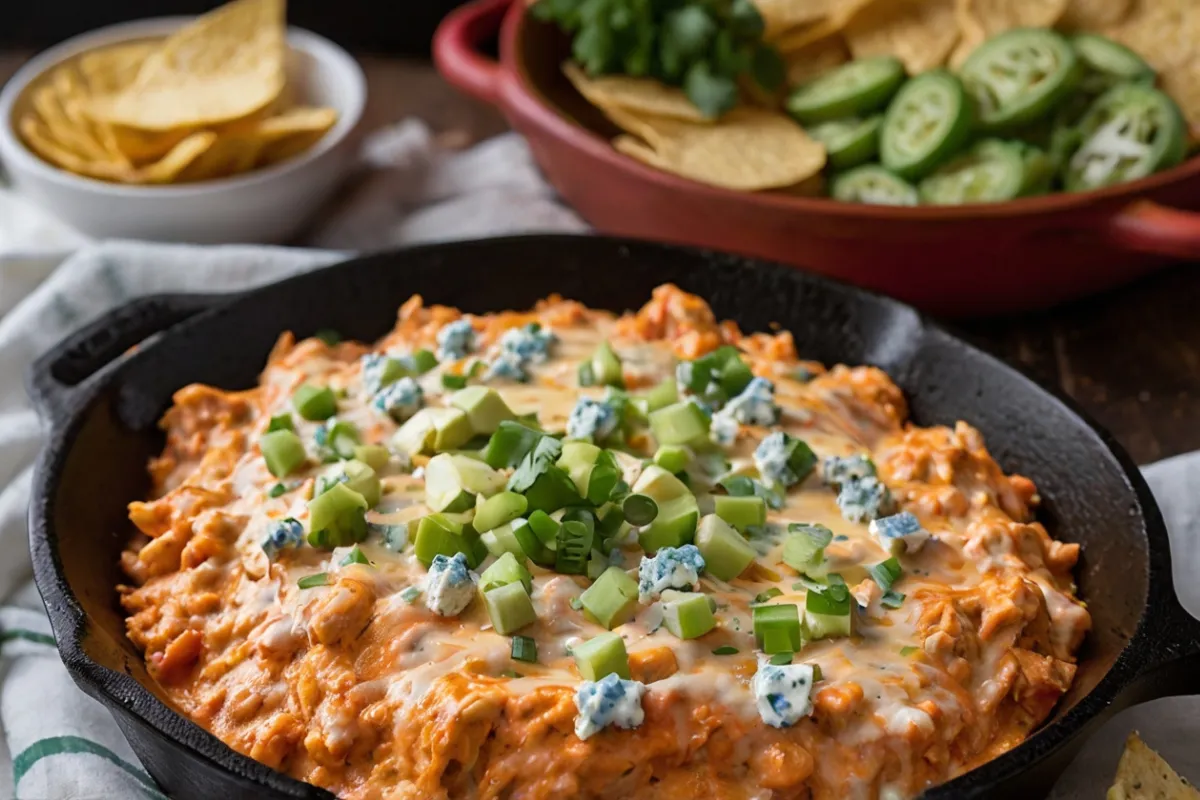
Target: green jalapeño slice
990,172
1130,131
927,124
1108,63
849,142
874,185
860,87
1020,76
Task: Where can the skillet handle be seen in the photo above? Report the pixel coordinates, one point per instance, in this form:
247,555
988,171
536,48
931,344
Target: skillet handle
456,48
55,378
1172,667
1148,227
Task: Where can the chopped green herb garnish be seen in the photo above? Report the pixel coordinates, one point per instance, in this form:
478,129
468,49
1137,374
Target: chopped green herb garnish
312,581
886,573
765,597
779,659
410,595
908,650
738,486
511,673
817,674
524,649
538,461
574,545
725,650
576,604
454,381
639,509
329,336
277,490
355,556
891,599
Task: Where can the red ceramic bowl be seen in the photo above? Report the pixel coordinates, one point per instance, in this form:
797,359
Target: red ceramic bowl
963,260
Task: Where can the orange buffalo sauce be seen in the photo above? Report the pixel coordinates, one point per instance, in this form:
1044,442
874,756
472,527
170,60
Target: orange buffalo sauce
357,687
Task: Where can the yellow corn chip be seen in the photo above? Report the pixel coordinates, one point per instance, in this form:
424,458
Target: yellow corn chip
113,69
820,56
997,16
1090,15
638,95
636,148
1167,34
786,20
224,66
38,138
182,155
48,105
1142,774
921,33
226,156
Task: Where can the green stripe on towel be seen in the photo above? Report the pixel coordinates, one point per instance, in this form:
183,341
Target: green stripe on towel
63,745
29,636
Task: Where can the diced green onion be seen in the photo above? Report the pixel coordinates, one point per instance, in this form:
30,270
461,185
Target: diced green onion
423,360
329,336
505,570
509,608
908,650
499,509
639,509
602,655
606,366
544,527
726,553
779,659
581,515
277,490
315,403
725,650
453,381
765,597
574,545
738,486
777,628
281,422
612,599
283,451
742,513
886,573
601,483
342,438
689,616
524,649
551,490
537,462
313,581
509,445
682,423
891,599
355,556
735,376
828,613
410,595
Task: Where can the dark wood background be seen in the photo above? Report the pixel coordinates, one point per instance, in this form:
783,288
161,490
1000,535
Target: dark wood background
1130,358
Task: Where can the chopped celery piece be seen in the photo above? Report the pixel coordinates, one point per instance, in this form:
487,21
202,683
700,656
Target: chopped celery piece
672,457
596,564
735,376
689,616
452,481
886,573
602,655
574,545
503,539
439,534
423,360
362,479
579,459
777,628
313,581
804,548
509,607
524,649
828,613
336,518
662,395
741,512
484,407
281,422
681,423
532,545
283,451
678,513
355,556
606,367
499,509
726,553
612,599
376,456
506,569
432,430
509,445
315,403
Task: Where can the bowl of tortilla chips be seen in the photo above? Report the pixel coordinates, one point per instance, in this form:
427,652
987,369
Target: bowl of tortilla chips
643,144
228,127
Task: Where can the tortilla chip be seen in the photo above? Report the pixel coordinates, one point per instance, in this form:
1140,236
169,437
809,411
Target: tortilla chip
1090,15
48,105
921,33
181,156
226,65
1142,774
638,95
39,139
820,56
791,24
748,150
970,33
1167,34
113,69
636,148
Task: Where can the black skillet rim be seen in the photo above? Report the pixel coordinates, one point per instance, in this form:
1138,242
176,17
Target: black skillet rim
69,621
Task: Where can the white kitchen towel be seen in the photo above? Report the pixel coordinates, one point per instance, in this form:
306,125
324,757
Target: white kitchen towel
58,744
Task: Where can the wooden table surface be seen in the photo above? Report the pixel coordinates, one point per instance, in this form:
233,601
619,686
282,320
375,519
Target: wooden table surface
1130,358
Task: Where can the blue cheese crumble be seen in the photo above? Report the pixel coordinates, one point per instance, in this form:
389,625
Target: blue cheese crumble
400,400
592,418
281,535
378,371
782,693
450,585
608,701
455,340
754,406
393,536
864,499
669,568
836,470
771,458
518,348
899,533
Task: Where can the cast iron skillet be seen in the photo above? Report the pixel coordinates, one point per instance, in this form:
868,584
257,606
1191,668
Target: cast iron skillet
102,401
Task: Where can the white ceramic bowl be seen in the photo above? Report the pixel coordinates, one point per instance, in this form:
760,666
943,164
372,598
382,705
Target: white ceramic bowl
267,205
